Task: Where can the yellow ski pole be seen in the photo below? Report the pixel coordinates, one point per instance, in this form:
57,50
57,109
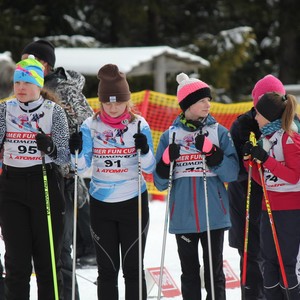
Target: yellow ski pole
247,220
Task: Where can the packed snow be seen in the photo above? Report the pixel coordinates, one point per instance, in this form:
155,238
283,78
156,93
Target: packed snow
86,277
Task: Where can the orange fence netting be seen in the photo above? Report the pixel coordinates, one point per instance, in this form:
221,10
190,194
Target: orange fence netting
160,110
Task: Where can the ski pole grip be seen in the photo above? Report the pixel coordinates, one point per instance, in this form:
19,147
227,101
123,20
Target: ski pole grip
252,138
139,127
253,141
173,138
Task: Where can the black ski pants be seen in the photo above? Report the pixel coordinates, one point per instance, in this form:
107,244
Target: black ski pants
254,289
85,245
66,257
25,229
115,226
287,224
188,251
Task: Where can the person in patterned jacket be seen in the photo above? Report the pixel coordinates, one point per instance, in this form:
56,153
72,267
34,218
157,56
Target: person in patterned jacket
30,146
68,85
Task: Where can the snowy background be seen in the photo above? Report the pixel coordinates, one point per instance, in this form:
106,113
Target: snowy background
87,277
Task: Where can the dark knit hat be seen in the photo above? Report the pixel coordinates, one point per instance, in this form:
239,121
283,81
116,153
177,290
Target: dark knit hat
41,49
113,86
190,91
271,106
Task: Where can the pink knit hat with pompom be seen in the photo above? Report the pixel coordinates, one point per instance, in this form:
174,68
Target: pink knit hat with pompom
190,91
265,85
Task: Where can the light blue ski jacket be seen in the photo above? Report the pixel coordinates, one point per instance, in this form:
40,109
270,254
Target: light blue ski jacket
187,198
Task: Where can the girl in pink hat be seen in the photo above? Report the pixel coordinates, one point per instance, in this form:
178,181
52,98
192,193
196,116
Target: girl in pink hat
205,158
278,154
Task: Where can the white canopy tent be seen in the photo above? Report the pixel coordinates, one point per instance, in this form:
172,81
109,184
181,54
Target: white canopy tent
134,61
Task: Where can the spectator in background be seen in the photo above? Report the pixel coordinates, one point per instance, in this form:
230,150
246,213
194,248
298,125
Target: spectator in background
237,190
7,69
68,86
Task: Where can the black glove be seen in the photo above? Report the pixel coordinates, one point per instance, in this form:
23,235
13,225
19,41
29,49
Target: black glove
163,170
203,144
45,144
75,142
259,154
247,147
199,141
173,151
216,156
247,124
140,141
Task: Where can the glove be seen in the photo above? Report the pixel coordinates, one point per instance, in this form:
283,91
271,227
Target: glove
140,141
203,144
214,157
247,147
247,124
259,154
46,145
75,142
171,153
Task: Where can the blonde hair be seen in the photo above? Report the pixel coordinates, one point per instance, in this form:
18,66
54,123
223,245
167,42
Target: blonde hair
130,107
289,113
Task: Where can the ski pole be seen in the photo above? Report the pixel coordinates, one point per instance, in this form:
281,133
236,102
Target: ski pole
50,232
88,280
165,226
275,237
75,222
83,277
140,218
247,221
208,230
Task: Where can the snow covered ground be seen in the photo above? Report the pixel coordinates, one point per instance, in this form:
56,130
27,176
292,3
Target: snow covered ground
87,277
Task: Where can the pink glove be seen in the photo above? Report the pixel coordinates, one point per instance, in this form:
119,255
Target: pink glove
171,153
203,144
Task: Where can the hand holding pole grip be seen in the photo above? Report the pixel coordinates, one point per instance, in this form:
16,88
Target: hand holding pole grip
213,154
140,140
172,152
75,142
203,144
168,160
257,152
45,144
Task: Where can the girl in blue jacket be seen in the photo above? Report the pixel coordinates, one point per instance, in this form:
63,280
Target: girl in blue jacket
197,134
109,144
